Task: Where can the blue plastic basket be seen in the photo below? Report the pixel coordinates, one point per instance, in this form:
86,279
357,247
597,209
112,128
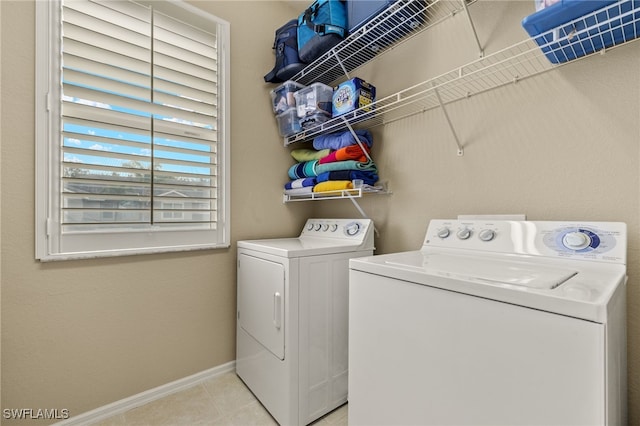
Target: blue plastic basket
570,29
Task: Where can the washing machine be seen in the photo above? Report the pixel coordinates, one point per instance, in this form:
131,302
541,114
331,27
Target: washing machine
292,317
492,323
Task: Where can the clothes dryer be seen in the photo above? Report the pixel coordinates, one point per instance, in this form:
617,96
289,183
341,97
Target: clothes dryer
492,323
292,317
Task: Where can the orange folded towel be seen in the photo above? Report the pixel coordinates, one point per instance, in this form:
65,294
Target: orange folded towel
351,152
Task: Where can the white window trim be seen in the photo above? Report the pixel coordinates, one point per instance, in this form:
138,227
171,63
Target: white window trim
47,129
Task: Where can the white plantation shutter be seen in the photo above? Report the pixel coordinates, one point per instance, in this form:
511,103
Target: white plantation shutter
138,144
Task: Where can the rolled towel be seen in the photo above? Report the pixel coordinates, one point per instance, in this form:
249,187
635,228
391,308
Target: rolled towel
305,154
368,166
369,178
341,139
299,191
351,152
300,183
333,185
303,170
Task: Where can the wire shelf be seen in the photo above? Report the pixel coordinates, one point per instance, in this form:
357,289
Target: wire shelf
337,194
620,25
396,24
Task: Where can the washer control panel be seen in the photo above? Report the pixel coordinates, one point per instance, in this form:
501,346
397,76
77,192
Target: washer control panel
337,228
603,241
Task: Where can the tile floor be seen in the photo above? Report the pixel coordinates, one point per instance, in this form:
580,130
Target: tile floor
224,400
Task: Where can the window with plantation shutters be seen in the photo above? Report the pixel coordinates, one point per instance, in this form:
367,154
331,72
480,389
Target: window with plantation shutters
132,134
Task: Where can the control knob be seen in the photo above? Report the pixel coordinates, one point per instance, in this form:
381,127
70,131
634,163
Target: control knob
576,240
443,233
464,233
352,229
487,234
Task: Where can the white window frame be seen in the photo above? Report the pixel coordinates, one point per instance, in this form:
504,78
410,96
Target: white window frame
51,242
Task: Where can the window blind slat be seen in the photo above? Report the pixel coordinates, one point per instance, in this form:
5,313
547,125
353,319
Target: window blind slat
176,77
123,88
107,57
186,68
182,53
81,26
111,11
188,92
186,104
182,29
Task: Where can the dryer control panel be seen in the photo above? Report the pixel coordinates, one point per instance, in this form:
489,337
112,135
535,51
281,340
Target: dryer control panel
598,241
349,230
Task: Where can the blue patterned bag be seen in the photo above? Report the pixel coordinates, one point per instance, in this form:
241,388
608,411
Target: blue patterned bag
320,27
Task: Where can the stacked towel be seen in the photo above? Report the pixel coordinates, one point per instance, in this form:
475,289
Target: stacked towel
336,160
342,139
351,152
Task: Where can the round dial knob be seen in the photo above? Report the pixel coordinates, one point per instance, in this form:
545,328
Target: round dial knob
310,226
325,227
317,227
487,234
334,227
352,229
443,233
576,240
464,233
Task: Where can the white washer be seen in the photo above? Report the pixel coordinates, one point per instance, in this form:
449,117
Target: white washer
492,323
292,327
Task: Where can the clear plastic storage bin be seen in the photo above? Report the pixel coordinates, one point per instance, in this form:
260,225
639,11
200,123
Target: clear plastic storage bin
288,122
313,99
282,96
312,120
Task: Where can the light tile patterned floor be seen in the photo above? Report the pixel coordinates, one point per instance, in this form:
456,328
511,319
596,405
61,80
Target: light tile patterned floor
223,400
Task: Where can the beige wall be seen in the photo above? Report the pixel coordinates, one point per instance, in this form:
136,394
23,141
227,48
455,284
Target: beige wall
82,334
563,145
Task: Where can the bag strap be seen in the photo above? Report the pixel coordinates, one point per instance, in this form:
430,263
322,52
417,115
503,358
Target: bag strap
321,29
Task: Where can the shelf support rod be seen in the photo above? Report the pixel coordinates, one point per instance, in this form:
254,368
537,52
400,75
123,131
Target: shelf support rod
344,70
473,28
357,139
446,115
364,215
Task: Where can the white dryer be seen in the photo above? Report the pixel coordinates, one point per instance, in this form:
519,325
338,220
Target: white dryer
292,319
492,323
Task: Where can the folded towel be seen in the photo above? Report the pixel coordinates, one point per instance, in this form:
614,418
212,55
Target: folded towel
303,170
342,139
299,191
333,185
369,178
304,154
368,166
300,183
313,169
351,152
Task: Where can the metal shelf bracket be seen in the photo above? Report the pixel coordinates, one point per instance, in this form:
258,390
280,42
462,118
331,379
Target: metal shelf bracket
446,115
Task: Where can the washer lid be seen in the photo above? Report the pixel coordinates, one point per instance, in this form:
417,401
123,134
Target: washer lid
497,271
578,289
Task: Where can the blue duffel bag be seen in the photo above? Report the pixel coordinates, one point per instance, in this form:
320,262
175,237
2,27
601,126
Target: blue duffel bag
285,45
320,27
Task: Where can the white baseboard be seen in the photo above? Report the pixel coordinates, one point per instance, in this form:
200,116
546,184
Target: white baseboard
145,397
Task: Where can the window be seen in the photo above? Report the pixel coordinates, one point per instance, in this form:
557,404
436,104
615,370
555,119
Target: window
132,134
